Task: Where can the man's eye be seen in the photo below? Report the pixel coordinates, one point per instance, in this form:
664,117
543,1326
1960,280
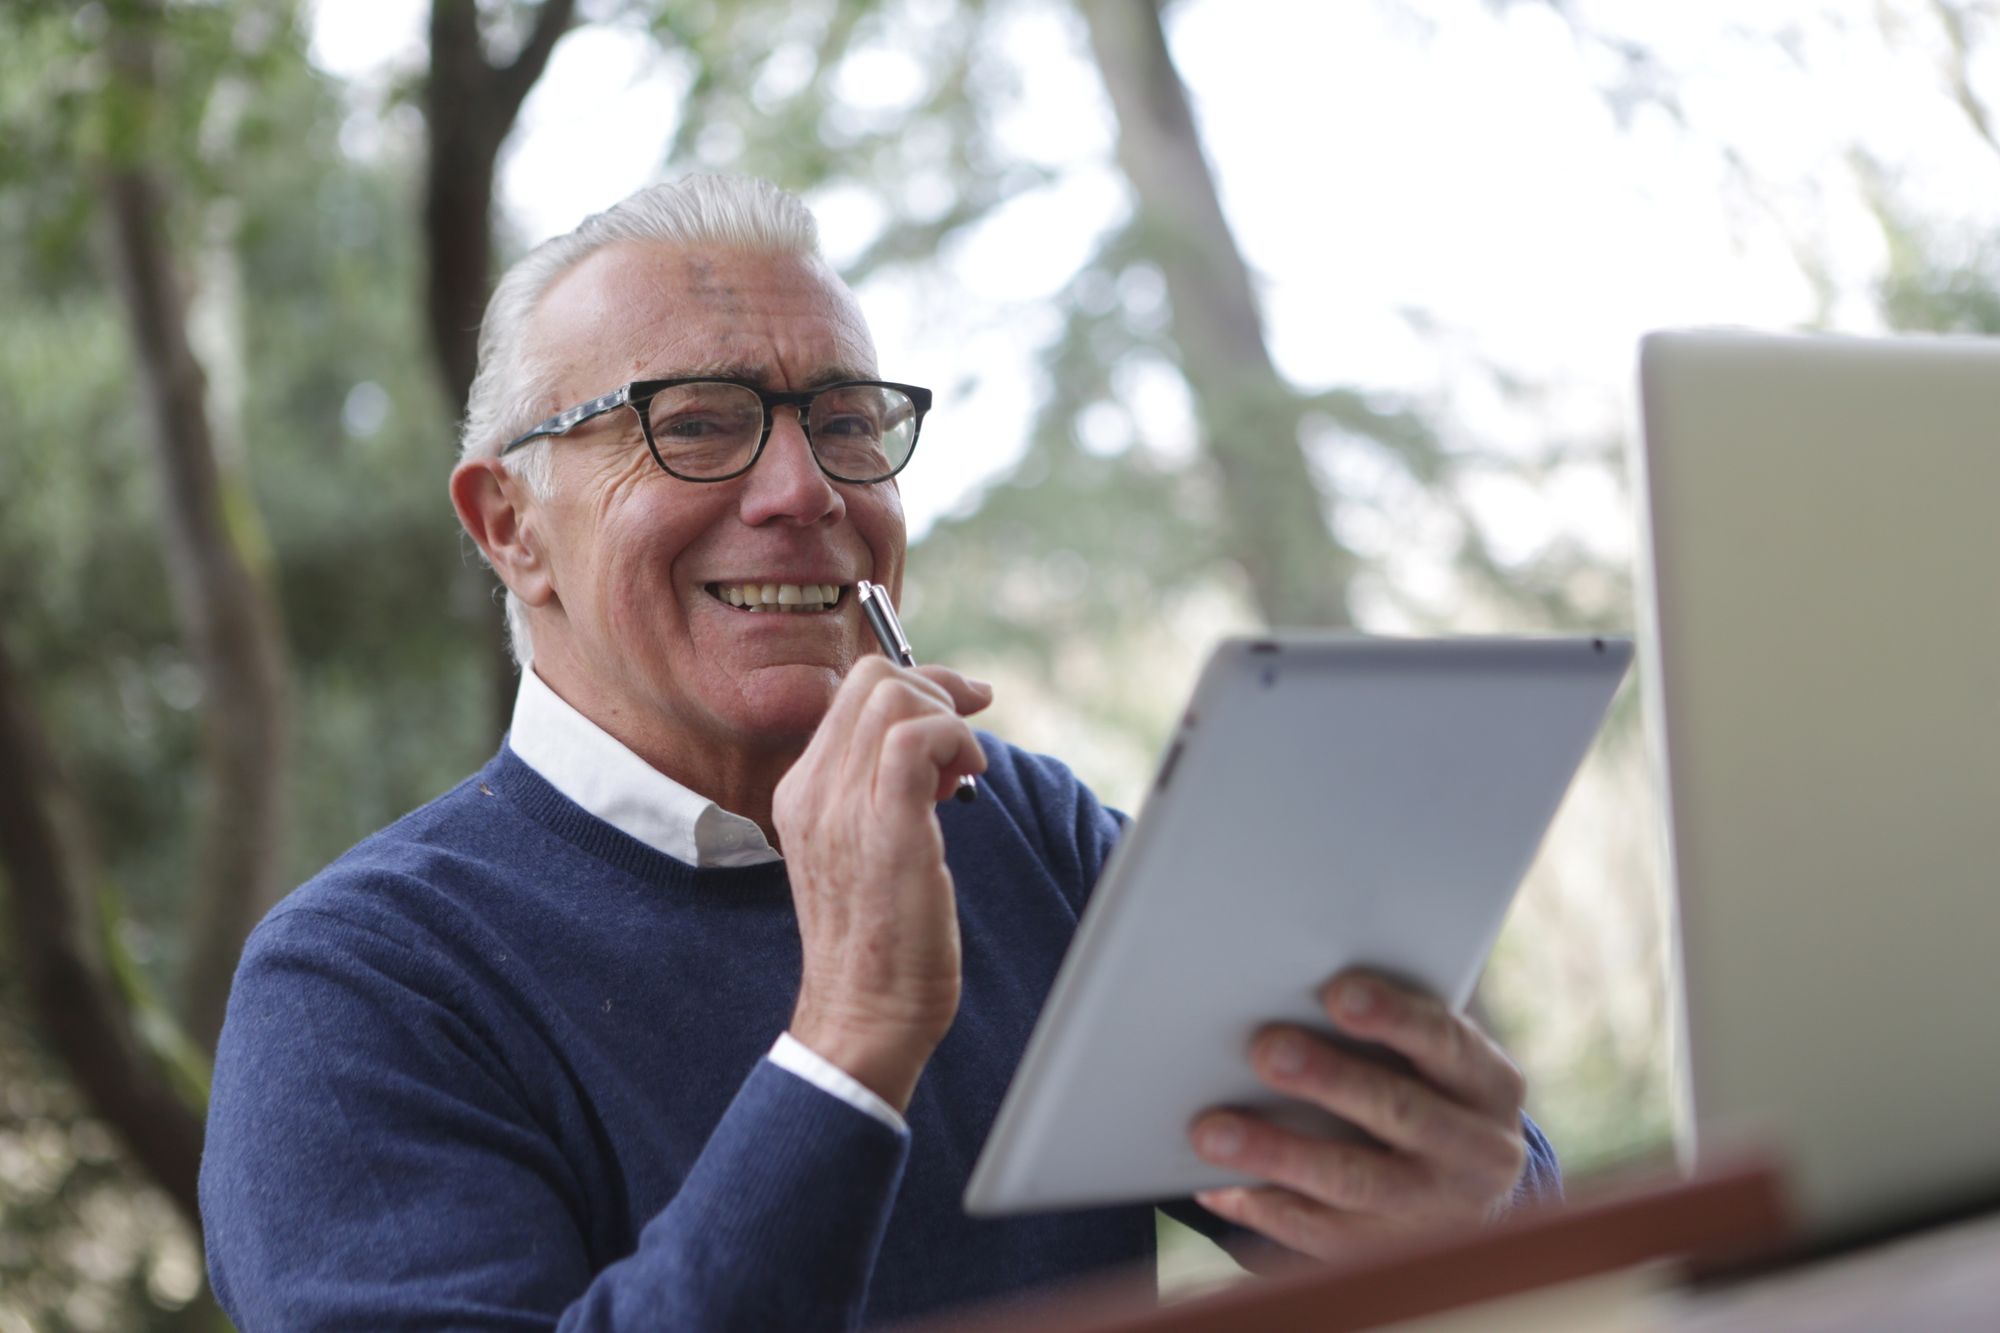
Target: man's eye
700,426
848,427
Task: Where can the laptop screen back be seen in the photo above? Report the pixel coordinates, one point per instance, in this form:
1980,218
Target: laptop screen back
1824,657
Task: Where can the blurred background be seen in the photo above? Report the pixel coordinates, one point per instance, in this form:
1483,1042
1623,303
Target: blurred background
1239,312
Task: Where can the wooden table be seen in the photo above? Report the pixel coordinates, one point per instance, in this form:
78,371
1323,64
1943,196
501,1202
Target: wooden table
1721,1216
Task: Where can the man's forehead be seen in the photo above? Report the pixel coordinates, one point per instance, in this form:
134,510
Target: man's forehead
648,308
757,367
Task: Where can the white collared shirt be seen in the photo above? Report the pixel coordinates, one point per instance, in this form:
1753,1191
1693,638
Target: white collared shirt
594,769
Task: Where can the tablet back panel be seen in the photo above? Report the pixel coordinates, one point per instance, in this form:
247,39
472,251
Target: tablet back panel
1825,651
1329,802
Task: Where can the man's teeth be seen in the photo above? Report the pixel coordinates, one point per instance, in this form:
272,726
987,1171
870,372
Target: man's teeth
777,596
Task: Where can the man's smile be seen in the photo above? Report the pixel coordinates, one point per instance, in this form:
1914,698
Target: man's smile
788,598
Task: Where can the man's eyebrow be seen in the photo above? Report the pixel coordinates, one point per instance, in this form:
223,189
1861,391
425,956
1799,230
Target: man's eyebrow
834,374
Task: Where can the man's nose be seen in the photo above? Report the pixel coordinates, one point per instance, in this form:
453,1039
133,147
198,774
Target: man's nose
786,483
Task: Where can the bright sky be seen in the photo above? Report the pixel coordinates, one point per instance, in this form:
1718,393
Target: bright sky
1388,167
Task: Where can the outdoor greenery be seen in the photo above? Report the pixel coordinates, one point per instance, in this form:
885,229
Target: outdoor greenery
1086,579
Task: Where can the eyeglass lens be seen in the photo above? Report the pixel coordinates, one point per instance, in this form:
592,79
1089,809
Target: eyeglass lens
711,429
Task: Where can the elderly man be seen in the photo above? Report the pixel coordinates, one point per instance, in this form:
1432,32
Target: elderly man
691,1009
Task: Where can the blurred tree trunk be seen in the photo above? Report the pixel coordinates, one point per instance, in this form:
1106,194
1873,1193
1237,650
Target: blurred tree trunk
1299,573
82,1010
1250,417
469,106
1960,56
216,559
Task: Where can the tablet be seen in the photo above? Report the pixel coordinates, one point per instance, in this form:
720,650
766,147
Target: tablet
1328,802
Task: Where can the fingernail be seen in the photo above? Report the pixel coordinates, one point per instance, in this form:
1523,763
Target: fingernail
1221,1137
978,684
1287,1055
1358,999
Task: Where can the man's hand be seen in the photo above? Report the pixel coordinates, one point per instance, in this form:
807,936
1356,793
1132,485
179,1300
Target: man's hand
1451,1130
857,819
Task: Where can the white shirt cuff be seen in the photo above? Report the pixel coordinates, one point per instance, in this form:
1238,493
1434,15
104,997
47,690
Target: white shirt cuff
794,1056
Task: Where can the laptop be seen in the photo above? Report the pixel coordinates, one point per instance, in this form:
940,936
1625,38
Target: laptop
1821,641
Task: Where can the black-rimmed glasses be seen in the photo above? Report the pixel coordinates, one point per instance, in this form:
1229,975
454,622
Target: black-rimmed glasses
861,431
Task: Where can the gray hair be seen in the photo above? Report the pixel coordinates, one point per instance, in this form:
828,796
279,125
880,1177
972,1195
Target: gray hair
509,391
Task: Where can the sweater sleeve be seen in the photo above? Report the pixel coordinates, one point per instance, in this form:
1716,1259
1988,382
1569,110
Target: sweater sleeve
371,1164
1541,1180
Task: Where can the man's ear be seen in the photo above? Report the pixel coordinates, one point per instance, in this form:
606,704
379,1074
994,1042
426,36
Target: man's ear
493,504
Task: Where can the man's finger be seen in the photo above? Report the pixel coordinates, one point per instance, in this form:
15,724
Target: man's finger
967,694
863,678
1292,1220
887,696
1461,1145
922,758
1354,1177
1444,1046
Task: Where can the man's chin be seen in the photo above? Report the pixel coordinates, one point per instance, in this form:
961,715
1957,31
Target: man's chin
784,704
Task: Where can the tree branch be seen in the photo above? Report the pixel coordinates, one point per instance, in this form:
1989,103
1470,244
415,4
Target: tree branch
1958,72
465,139
1250,417
83,1013
469,107
229,620
513,82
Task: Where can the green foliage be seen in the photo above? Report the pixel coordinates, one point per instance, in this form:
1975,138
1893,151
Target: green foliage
1075,543
1938,280
323,391
84,1243
347,445
185,1064
896,97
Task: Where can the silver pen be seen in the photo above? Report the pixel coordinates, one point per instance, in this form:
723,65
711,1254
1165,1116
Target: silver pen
881,617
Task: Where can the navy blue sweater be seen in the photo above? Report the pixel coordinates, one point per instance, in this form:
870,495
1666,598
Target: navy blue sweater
500,1067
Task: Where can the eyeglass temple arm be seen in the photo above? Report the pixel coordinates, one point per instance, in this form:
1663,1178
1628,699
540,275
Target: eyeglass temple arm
564,422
